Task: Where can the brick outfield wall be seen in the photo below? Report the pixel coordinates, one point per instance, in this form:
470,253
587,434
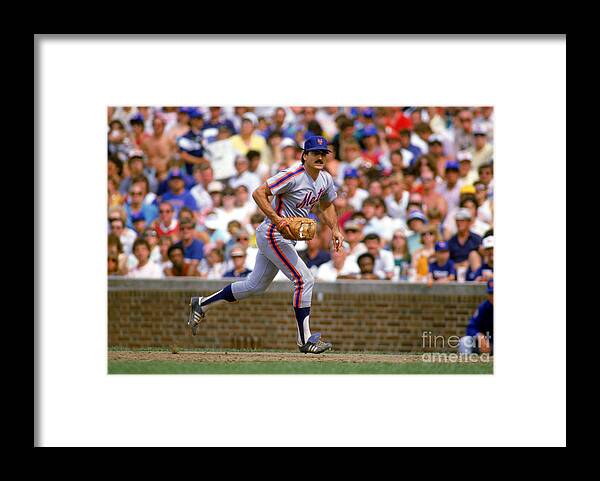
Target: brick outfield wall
355,316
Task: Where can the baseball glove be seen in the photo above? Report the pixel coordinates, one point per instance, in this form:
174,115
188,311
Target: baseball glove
297,228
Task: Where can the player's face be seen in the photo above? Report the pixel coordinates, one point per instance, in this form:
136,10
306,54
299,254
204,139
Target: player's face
315,159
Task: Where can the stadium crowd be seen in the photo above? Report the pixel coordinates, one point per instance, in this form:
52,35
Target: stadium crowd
415,190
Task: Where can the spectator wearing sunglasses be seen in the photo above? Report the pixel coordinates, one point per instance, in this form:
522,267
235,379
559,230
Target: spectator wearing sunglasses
167,223
193,249
135,208
481,151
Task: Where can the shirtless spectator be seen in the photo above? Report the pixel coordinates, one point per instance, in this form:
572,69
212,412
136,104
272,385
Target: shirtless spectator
157,147
431,197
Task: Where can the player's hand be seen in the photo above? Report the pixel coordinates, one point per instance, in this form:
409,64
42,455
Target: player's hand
283,227
337,239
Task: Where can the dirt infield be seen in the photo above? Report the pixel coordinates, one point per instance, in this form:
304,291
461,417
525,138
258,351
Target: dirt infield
241,357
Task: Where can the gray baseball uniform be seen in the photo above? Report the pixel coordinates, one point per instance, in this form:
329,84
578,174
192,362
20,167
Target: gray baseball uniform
295,194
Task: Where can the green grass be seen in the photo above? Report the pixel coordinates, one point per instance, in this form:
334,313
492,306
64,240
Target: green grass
282,367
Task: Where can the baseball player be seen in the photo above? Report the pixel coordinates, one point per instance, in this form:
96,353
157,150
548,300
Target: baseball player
295,190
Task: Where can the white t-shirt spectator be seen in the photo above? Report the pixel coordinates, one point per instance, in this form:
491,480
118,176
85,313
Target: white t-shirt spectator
384,227
484,212
250,180
127,239
328,272
397,209
452,196
359,197
384,263
150,271
203,199
224,217
222,159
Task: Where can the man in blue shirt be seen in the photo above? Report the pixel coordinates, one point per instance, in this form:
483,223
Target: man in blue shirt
442,270
464,241
413,149
190,144
135,207
177,195
193,249
480,331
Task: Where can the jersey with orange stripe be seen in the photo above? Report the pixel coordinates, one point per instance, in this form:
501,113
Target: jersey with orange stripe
296,193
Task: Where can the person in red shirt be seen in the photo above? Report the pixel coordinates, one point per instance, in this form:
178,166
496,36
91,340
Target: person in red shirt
167,223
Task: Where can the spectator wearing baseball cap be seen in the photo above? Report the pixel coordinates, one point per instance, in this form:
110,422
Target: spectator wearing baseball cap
177,195
415,221
479,337
356,195
481,150
486,270
238,257
466,173
442,269
248,139
450,188
464,242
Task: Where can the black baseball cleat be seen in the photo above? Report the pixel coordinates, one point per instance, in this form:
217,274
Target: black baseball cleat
196,314
314,345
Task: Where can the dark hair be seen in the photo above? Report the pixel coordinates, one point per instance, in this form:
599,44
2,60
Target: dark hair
371,236
143,179
422,128
116,121
136,121
118,164
187,210
140,241
345,122
113,239
315,127
488,165
251,154
404,132
468,198
366,254
174,247
257,218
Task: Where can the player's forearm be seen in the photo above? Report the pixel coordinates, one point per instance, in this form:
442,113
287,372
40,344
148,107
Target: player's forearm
329,216
262,201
